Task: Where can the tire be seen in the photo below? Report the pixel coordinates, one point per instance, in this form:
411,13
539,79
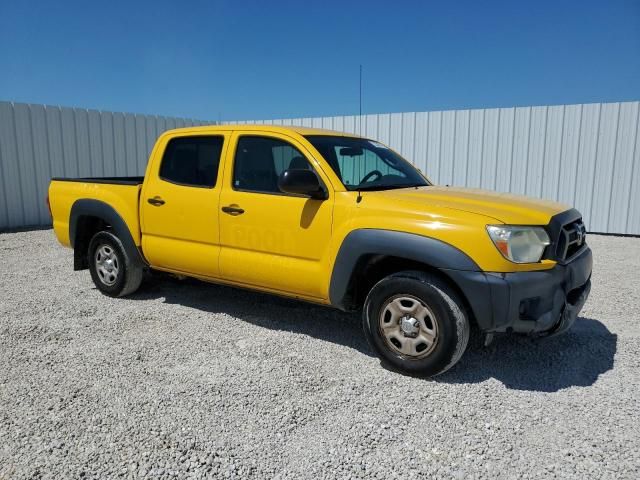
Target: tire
416,323
112,270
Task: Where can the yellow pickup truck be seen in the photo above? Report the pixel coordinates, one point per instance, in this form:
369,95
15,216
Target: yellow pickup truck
338,220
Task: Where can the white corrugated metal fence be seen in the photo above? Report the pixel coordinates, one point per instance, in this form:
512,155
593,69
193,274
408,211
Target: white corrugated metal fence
585,155
38,142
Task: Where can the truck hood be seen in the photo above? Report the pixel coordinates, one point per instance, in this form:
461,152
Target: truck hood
501,207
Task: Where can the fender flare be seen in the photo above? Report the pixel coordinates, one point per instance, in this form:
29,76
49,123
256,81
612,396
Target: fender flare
87,207
427,250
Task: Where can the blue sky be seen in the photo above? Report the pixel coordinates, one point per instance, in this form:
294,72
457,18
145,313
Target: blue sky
267,59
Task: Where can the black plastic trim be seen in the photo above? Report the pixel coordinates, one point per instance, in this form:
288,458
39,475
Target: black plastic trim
496,297
108,180
87,207
554,229
477,289
359,243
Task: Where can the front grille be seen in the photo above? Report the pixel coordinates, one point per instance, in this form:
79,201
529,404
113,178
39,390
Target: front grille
571,240
567,232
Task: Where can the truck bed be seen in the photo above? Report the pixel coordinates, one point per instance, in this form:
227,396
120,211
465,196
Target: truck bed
118,193
108,180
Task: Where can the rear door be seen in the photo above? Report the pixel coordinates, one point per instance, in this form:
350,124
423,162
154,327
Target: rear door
180,204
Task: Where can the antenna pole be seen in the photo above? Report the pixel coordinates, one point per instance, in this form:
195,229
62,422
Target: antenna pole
360,109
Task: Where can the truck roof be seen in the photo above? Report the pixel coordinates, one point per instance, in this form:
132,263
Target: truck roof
267,128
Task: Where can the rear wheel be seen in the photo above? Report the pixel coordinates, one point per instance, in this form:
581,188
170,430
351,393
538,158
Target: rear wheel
416,323
112,270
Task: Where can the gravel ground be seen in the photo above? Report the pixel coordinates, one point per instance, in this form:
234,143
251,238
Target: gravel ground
186,379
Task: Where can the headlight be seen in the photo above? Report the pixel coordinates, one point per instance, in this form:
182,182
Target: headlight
519,244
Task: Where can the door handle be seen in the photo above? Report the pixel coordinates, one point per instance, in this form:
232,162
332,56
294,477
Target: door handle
233,210
156,201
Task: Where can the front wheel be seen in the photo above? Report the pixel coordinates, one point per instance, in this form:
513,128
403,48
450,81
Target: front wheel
111,268
416,322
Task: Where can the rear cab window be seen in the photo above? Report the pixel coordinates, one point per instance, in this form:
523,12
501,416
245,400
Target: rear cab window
192,161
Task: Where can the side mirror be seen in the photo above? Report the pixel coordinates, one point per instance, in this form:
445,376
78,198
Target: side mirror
302,182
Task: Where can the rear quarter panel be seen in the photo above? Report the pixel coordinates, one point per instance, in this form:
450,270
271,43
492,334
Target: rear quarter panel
123,198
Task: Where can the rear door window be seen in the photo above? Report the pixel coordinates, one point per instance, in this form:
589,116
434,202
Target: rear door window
192,161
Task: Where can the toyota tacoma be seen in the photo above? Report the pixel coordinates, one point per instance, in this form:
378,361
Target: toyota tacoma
338,220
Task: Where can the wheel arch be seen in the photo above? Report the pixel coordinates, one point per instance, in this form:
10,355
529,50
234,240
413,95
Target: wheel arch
368,255
89,216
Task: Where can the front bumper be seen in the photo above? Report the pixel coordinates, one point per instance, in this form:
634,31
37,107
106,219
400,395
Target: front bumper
540,302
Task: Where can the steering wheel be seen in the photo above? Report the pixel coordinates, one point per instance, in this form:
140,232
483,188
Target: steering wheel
366,178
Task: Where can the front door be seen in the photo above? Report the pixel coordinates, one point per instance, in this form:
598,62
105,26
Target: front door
268,238
179,205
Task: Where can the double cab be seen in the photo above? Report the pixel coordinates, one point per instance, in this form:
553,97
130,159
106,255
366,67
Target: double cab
338,220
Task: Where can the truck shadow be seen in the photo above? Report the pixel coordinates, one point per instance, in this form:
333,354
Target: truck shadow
264,310
574,359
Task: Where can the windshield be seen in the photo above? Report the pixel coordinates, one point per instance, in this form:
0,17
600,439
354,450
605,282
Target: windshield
365,164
